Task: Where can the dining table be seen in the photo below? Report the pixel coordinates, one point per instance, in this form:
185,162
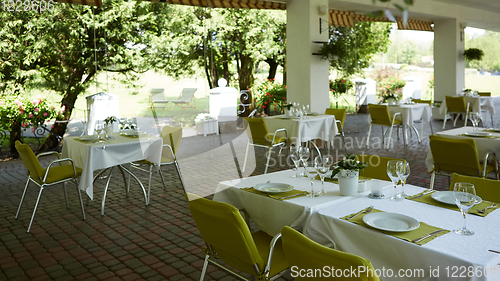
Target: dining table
305,128
91,154
476,104
385,237
487,140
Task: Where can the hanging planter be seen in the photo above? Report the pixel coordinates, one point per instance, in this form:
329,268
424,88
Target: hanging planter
473,54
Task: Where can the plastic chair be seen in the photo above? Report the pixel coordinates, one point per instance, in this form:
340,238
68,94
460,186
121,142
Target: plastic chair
185,98
377,166
49,176
380,116
339,119
228,238
303,253
258,135
485,188
172,137
156,96
459,156
456,105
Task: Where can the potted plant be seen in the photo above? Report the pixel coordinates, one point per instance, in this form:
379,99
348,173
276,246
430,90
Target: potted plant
347,170
270,95
391,89
206,124
108,126
473,54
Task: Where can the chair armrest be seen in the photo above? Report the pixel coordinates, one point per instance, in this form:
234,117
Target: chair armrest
49,153
58,161
252,113
171,150
340,124
394,117
486,161
280,130
271,252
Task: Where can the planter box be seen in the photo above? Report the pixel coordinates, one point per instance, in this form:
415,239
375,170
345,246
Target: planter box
207,127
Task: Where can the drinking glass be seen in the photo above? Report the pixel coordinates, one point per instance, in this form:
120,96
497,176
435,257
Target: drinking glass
465,197
98,130
475,117
403,170
311,173
304,155
294,155
392,172
323,166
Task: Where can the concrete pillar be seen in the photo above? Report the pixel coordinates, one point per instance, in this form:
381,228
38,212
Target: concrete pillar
307,74
449,63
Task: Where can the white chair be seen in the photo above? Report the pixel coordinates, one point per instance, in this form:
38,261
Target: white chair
157,97
185,98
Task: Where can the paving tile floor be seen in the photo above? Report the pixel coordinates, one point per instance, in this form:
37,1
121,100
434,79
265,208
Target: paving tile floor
157,242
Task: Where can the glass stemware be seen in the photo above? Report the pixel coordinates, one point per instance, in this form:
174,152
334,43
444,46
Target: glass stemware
98,130
304,155
403,170
311,174
323,166
475,117
294,155
392,172
465,197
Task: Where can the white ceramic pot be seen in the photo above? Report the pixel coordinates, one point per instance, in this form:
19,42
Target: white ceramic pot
109,131
391,102
348,182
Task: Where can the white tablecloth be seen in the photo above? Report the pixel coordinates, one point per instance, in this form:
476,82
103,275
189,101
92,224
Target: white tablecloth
91,156
476,104
484,145
306,128
269,214
384,251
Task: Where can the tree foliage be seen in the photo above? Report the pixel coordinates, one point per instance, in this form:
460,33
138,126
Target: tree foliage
489,43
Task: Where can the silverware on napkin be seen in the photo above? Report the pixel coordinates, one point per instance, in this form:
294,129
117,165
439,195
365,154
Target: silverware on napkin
293,195
493,251
422,194
366,211
427,235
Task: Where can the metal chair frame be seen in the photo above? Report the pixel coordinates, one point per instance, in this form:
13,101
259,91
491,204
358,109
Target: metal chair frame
456,118
268,147
383,132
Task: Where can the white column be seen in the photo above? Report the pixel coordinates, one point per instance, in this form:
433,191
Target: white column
307,74
449,63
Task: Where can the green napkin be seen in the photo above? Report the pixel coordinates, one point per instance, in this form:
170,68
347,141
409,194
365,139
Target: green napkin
336,180
483,137
409,236
427,199
87,141
279,196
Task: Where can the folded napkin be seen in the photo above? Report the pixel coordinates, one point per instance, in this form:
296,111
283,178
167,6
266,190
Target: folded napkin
87,141
279,196
427,199
409,236
336,180
483,137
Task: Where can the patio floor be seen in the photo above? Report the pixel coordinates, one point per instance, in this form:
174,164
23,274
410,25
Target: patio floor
157,242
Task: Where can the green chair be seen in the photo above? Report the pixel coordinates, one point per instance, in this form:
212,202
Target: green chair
379,115
485,188
45,177
377,166
484,94
303,253
456,105
460,156
258,135
339,119
228,238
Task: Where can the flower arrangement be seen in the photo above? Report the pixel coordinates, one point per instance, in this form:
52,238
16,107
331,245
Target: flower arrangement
391,88
270,95
202,117
340,86
110,120
348,163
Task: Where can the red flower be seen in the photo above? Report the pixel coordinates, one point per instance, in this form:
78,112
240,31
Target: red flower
265,102
284,98
263,106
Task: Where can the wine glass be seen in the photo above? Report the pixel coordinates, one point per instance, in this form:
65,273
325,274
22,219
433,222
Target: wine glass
311,173
294,155
392,172
323,166
304,155
403,170
475,117
98,130
465,197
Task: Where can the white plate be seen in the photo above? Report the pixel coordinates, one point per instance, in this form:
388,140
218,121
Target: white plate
312,114
494,129
478,134
273,187
89,138
447,197
391,222
132,133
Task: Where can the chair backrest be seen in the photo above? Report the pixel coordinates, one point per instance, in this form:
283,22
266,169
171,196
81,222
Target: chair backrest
173,137
306,254
30,161
187,94
379,114
455,104
257,130
485,188
377,166
455,155
484,94
224,230
429,102
339,114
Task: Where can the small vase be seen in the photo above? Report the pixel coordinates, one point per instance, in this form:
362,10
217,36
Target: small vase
391,101
108,129
348,182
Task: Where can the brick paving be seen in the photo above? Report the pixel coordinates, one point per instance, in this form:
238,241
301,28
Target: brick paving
158,242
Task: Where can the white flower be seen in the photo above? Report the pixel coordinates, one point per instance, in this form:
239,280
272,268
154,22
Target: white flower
202,117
